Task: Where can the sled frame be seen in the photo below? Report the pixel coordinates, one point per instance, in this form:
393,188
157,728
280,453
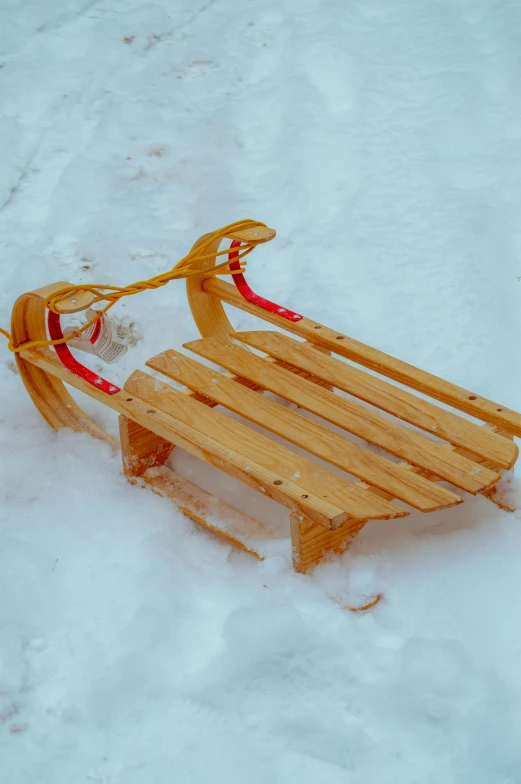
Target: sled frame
419,443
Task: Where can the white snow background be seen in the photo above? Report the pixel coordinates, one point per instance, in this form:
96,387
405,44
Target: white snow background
382,139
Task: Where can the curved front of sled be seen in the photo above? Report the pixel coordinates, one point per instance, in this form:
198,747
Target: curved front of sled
207,309
48,393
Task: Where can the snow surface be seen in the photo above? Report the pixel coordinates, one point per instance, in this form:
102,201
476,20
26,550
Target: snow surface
382,139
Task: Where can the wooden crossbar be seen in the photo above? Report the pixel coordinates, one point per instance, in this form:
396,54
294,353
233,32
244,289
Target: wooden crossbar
310,484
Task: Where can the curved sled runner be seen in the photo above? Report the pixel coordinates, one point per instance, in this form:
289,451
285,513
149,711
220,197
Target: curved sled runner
327,508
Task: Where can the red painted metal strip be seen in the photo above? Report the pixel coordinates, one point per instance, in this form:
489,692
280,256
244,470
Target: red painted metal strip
71,363
250,295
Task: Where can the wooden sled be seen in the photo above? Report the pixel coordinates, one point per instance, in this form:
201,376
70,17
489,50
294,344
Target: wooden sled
327,508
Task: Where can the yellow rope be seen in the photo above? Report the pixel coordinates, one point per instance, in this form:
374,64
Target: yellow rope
183,269
364,607
360,608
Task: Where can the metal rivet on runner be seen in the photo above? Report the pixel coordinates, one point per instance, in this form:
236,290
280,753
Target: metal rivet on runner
72,364
246,291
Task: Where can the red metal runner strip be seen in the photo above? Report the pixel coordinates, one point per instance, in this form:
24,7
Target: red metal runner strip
72,364
250,295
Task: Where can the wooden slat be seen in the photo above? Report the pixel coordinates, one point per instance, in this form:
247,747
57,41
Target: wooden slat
285,488
309,435
257,461
402,404
406,374
312,479
378,471
366,424
265,412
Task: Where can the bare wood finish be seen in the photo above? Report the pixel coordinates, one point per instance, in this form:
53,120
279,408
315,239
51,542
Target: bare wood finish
228,459
75,302
300,371
367,466
311,543
141,449
327,510
406,374
265,412
500,494
207,310
404,405
297,429
47,392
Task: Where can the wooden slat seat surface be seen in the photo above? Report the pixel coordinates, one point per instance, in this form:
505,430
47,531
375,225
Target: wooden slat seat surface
369,425
376,470
313,483
386,396
451,394
299,430
144,399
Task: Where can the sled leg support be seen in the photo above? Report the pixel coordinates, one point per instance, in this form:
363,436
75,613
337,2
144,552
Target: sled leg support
144,455
501,494
311,543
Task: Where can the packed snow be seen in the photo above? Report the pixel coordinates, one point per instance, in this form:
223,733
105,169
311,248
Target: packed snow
382,139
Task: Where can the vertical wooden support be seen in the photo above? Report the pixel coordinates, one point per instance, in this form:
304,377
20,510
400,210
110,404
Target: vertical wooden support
48,393
312,542
501,493
140,448
207,310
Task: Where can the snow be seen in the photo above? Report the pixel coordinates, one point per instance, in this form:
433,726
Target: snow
383,141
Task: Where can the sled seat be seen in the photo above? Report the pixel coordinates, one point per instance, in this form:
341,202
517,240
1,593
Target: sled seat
327,509
335,441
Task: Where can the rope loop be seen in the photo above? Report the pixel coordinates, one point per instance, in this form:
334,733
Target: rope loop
185,268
